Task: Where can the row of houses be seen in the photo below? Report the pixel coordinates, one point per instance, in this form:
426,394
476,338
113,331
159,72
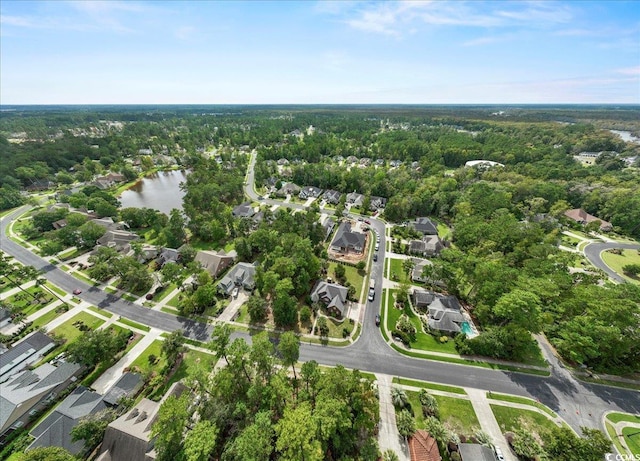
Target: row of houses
330,196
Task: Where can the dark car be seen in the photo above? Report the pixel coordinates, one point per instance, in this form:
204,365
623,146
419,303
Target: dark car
375,256
366,221
77,291
377,319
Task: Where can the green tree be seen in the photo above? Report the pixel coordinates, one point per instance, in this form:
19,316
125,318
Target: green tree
406,424
169,426
48,454
289,348
561,444
631,270
390,455
520,307
200,441
92,427
173,347
296,435
429,404
89,233
525,444
399,397
257,309
254,442
93,347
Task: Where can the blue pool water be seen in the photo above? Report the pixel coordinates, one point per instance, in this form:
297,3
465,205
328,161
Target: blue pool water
466,328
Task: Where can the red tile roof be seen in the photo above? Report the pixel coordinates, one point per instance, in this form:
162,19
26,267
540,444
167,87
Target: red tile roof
581,216
423,447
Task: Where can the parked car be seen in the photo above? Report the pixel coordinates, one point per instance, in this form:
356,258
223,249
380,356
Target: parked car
377,319
499,454
77,291
375,257
366,221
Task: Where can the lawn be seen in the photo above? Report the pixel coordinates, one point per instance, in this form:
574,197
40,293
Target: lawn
617,417
191,359
456,414
438,387
423,341
523,400
443,231
46,318
396,272
133,324
632,442
336,327
97,310
142,361
512,419
26,302
165,291
616,262
351,273
71,332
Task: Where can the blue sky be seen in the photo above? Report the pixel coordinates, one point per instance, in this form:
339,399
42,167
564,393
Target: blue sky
259,52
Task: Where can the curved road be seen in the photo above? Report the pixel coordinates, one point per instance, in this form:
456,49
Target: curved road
592,252
580,404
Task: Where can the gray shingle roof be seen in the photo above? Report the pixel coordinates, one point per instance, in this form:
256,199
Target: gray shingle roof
345,239
331,294
425,226
128,384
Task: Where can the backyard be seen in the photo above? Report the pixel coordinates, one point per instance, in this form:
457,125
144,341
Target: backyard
351,274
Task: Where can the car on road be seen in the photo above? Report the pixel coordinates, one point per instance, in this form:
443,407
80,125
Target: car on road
499,454
77,291
375,257
360,219
377,246
366,221
378,320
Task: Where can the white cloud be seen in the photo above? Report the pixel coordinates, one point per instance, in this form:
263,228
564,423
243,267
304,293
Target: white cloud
629,71
396,18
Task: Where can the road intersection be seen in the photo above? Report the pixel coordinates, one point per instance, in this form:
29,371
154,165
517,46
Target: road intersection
578,403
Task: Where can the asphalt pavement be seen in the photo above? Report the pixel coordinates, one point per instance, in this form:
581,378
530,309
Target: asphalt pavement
581,405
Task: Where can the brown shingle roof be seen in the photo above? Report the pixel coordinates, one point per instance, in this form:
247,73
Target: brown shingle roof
423,447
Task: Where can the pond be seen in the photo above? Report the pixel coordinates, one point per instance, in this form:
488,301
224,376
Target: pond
160,191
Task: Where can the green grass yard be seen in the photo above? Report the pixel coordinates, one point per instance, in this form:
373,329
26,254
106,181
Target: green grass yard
512,419
633,442
70,332
523,400
351,274
617,417
142,361
616,262
396,272
456,414
435,386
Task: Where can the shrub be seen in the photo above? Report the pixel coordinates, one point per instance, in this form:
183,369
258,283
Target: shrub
402,336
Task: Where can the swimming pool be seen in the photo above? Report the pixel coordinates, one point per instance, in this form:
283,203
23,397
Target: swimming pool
466,329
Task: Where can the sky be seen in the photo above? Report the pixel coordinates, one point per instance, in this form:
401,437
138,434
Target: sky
343,52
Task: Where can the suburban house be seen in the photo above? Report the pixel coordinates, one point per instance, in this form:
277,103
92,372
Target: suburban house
582,217
346,241
168,255
22,354
338,158
365,161
108,223
355,199
444,313
418,268
351,159
379,162
242,275
425,226
332,295
128,438
377,203
309,192
423,447
59,224
430,245
243,211
395,163
332,196
215,262
118,239
475,452
288,189
29,391
328,224
148,253
55,429
283,161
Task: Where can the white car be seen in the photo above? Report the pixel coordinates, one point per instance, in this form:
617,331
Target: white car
499,454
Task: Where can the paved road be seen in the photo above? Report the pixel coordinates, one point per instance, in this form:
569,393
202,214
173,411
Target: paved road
578,405
592,252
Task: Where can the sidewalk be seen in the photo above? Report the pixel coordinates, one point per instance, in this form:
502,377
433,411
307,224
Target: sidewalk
109,377
16,290
488,421
388,435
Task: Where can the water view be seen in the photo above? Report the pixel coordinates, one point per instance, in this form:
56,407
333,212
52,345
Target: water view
160,191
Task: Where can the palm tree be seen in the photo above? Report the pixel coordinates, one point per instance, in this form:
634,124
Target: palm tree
399,397
437,431
429,404
406,424
390,455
